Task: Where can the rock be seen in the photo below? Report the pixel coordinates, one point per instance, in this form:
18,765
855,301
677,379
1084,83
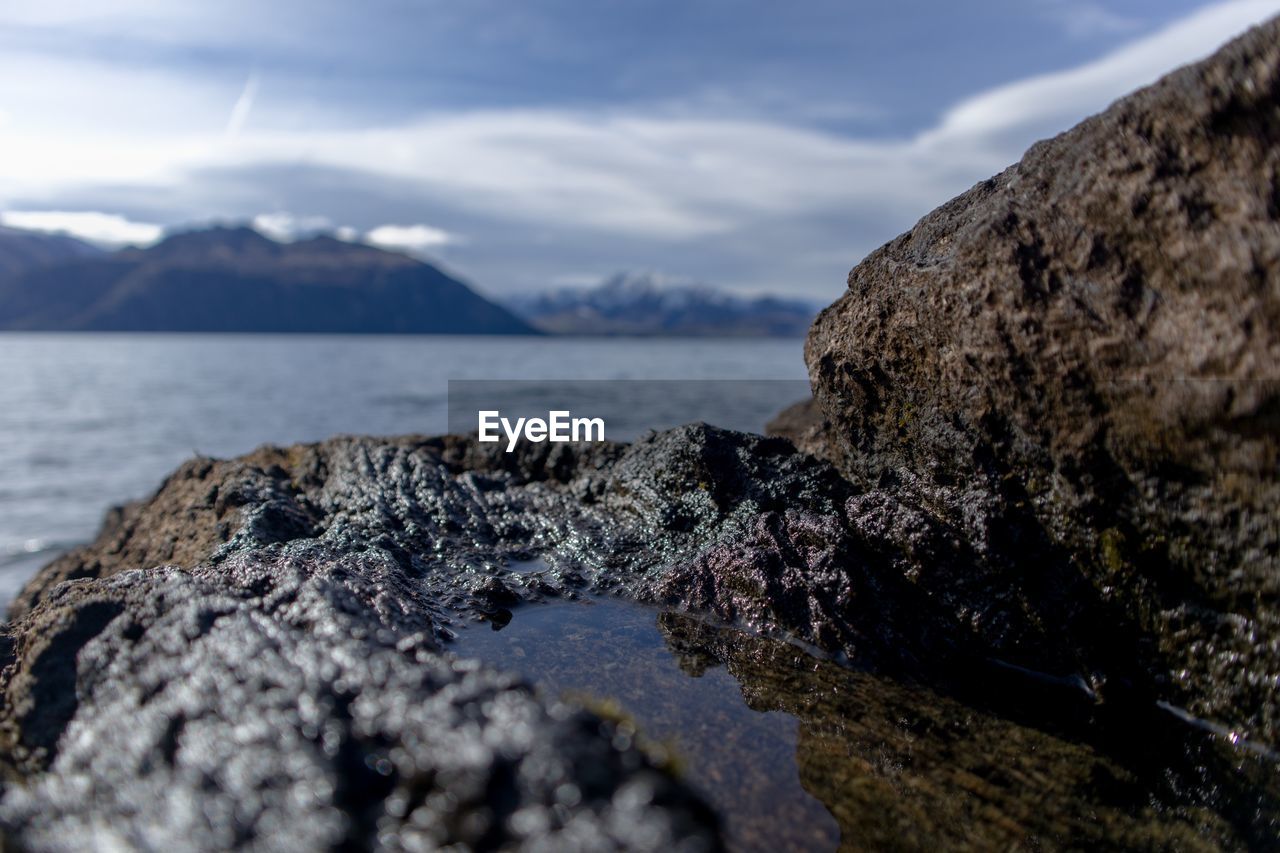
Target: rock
457,515
259,653
706,519
289,701
254,655
1073,366
804,425
1052,410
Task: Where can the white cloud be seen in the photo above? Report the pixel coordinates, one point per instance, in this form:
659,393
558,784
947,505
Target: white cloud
578,279
284,226
103,228
684,178
415,238
1052,102
67,12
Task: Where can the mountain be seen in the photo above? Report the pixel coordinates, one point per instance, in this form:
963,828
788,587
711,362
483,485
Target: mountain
236,280
25,250
649,305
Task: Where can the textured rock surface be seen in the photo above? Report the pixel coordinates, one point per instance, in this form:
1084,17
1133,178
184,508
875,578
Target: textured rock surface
740,526
804,425
253,655
1074,364
1054,406
290,702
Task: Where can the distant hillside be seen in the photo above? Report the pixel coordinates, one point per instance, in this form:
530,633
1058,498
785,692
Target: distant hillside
648,305
236,280
24,250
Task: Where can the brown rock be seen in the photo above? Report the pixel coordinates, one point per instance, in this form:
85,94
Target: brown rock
805,426
1075,363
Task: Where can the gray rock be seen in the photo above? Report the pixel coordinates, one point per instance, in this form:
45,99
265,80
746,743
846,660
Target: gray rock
1073,365
804,425
737,525
256,655
291,702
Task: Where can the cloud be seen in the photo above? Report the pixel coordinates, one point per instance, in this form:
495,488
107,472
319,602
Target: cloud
415,238
1052,102
665,177
285,226
106,229
578,279
747,194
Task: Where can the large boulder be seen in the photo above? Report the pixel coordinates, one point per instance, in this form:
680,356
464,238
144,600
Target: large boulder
1074,365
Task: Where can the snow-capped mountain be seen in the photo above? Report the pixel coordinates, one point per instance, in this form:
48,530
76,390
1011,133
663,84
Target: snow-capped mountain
651,304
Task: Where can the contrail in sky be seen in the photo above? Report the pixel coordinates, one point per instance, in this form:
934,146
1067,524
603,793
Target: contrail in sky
243,106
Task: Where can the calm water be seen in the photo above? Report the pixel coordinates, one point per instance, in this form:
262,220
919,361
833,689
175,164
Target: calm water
613,655
796,752
88,421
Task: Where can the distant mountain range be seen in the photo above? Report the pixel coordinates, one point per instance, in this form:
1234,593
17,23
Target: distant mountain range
24,250
235,280
648,304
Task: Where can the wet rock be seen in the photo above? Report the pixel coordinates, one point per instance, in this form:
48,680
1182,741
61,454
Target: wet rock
738,525
269,625
289,632
1072,366
296,702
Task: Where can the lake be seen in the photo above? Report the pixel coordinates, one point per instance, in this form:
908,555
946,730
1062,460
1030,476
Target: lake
88,421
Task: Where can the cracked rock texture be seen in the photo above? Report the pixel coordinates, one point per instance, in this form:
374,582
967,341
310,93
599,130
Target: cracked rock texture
295,702
1074,364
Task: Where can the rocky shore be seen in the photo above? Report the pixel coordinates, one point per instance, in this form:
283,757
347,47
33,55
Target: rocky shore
1026,539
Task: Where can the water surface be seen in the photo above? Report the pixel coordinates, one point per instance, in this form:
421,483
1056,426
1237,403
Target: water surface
796,752
92,420
614,655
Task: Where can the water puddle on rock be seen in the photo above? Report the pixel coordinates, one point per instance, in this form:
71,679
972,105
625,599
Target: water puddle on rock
742,760
798,753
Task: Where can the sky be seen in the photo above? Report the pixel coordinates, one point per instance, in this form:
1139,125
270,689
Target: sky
756,145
